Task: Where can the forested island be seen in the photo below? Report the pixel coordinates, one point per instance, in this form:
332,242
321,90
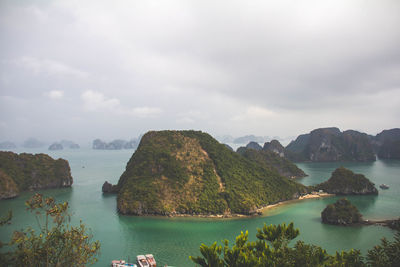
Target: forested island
189,172
28,172
345,182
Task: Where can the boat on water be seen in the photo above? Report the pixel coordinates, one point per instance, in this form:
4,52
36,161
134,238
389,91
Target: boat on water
150,259
122,263
141,261
384,186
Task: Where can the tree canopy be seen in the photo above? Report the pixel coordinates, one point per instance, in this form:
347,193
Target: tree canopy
272,249
54,242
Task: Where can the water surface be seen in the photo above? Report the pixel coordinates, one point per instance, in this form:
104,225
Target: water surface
172,240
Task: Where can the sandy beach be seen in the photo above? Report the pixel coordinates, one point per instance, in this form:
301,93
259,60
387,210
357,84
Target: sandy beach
308,196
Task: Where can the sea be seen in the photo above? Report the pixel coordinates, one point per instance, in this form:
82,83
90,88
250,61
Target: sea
173,240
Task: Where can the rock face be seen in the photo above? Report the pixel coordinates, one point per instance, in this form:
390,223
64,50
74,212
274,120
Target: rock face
56,146
341,213
387,144
276,147
7,145
32,172
345,182
8,188
272,161
189,172
108,188
330,144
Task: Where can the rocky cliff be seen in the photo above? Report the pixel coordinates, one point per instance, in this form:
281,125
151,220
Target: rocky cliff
276,147
32,172
341,213
345,182
387,144
189,172
330,144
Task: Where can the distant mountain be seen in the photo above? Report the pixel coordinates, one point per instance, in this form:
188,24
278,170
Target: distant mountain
56,146
276,147
189,172
250,138
254,145
330,144
387,144
27,172
7,145
69,144
33,143
115,145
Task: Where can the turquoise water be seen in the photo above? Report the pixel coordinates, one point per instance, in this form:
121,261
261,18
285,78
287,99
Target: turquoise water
172,240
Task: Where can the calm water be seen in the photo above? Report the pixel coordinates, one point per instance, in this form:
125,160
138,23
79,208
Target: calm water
172,240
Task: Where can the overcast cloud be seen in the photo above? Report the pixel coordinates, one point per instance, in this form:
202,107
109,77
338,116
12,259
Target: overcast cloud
115,69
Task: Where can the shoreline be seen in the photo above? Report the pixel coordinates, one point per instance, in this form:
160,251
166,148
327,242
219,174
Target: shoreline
313,195
257,213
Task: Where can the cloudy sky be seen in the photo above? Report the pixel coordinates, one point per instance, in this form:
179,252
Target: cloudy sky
115,69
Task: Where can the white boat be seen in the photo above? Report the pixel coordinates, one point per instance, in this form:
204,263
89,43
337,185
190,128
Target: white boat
384,186
122,263
150,259
141,261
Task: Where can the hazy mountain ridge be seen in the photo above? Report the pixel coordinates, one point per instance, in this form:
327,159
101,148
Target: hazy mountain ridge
330,144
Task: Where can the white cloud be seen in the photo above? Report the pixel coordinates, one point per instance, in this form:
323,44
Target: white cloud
49,67
144,111
98,102
254,113
55,94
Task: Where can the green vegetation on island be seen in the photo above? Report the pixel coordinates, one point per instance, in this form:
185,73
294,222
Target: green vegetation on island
272,249
345,182
342,212
189,172
53,242
272,161
22,172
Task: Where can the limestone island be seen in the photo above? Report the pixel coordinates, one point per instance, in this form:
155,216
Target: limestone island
27,172
344,213
341,213
271,158
345,182
181,173
56,146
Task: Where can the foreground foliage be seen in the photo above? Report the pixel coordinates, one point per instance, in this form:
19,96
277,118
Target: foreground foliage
271,249
54,243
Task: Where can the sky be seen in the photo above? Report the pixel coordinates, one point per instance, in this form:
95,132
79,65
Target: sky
82,70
